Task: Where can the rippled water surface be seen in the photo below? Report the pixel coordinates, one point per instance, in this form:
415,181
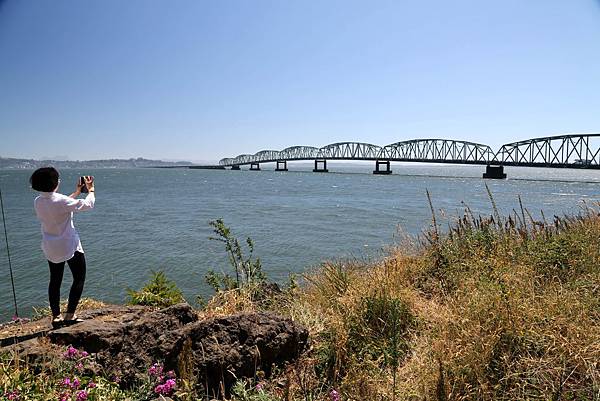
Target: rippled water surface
157,219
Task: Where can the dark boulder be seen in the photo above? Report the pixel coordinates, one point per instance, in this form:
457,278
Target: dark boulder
224,349
127,341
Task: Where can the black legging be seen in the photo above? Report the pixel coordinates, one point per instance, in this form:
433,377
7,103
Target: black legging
77,266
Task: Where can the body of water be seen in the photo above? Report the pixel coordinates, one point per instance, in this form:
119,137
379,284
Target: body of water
157,219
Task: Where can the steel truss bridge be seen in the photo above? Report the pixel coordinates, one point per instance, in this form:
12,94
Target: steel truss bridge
570,151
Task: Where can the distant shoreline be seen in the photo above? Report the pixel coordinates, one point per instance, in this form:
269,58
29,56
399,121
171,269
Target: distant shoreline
15,163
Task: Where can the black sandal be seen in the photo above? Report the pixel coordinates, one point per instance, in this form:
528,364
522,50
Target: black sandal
57,322
73,320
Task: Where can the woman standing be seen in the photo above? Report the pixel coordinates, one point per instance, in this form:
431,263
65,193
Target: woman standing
60,240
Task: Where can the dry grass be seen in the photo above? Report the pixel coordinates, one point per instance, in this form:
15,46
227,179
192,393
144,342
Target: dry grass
497,309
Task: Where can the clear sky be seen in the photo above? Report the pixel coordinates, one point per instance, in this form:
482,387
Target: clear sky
202,80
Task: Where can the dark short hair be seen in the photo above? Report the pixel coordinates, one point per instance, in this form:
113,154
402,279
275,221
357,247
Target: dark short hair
44,179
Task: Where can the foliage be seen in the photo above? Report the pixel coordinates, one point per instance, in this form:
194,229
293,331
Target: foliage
248,274
84,303
73,376
159,291
247,391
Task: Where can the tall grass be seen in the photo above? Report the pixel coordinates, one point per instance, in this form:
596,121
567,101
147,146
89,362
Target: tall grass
497,308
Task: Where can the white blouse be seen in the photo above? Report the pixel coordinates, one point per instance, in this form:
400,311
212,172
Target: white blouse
60,240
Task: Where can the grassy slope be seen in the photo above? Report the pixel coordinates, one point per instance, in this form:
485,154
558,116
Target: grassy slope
493,311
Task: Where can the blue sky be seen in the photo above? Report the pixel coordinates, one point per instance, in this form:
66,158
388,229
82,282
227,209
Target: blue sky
200,80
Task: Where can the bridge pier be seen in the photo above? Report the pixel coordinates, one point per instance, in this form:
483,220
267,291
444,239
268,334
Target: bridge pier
385,163
235,167
495,172
254,167
323,162
281,165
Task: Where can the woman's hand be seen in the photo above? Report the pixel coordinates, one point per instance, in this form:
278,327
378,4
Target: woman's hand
78,186
89,183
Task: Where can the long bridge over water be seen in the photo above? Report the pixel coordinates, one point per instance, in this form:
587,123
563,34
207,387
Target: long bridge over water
561,151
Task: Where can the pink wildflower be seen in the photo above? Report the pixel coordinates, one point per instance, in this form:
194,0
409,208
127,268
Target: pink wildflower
84,354
66,382
79,366
13,395
82,395
155,370
71,352
76,383
334,395
91,385
259,387
171,374
65,397
166,388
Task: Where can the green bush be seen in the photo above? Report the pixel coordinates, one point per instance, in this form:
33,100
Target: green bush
159,291
247,269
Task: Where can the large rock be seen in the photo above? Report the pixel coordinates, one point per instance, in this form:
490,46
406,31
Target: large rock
127,342
212,352
224,349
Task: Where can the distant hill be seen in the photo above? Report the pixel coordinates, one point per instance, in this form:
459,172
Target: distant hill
12,163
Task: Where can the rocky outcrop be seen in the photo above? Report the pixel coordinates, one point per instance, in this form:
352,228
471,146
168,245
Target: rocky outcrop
226,348
212,352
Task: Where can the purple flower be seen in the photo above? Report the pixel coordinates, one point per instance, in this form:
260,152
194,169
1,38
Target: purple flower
259,387
84,354
12,395
155,370
71,352
79,366
76,383
171,374
166,388
66,382
82,395
334,395
91,385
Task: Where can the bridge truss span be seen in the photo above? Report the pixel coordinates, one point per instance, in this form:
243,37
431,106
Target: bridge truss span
267,156
438,151
350,151
572,150
299,153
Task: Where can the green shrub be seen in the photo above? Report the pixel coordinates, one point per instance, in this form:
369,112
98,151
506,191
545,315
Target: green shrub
159,291
247,269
